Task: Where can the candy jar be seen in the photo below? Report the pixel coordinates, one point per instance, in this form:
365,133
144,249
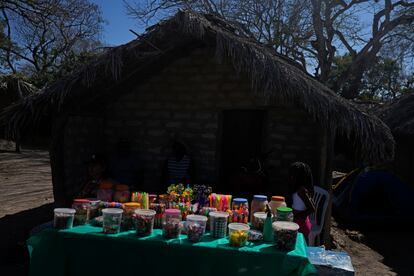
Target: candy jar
259,220
171,226
112,218
258,205
196,225
284,214
206,212
127,218
63,218
94,208
105,191
218,224
82,208
152,198
122,193
285,234
240,211
144,220
238,234
159,208
276,202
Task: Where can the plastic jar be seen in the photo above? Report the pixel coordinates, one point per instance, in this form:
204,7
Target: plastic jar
285,234
259,203
218,224
238,234
240,211
171,226
82,208
144,220
128,216
206,212
122,193
159,209
276,202
259,219
196,226
63,218
112,218
94,208
105,192
284,214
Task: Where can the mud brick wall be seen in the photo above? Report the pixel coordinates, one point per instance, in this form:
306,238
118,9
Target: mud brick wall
186,99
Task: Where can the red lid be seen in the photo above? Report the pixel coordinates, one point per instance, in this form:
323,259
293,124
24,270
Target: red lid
278,198
80,200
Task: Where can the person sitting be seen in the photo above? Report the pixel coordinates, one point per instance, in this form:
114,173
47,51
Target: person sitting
301,180
179,167
97,172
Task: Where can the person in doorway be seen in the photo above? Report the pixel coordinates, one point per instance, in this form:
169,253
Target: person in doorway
97,172
301,180
179,167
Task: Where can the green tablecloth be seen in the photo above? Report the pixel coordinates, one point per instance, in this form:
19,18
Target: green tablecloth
85,250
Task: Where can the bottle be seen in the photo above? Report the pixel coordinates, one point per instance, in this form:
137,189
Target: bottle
267,228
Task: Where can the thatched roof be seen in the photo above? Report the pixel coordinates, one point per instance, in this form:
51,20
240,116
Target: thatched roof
273,77
399,115
14,88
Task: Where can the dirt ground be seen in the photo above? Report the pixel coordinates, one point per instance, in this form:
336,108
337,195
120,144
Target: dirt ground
26,200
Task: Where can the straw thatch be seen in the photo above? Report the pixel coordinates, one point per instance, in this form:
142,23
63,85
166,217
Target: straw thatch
273,77
399,115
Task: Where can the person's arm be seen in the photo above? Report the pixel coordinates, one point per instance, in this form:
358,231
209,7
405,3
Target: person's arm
307,200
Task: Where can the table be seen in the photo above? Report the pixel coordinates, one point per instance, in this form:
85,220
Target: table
85,250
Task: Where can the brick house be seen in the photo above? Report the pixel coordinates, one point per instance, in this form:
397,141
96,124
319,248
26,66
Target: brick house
207,82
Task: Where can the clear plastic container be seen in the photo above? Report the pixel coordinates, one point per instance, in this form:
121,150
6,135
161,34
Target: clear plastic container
259,219
112,218
94,208
122,193
196,226
259,203
276,202
171,226
218,224
82,208
105,191
128,216
238,234
63,218
240,211
284,214
144,219
159,208
285,234
206,212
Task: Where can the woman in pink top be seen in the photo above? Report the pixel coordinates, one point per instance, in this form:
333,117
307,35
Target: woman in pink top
301,180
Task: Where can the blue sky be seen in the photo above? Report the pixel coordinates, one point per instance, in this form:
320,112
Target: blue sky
116,29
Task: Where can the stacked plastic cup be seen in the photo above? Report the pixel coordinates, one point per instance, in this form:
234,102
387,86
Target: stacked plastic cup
144,221
112,218
218,224
63,218
196,226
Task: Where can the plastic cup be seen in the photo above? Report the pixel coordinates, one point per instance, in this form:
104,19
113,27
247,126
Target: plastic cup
196,226
285,234
218,224
259,219
112,218
144,221
238,234
63,218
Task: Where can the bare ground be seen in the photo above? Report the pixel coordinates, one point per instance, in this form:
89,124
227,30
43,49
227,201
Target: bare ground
26,201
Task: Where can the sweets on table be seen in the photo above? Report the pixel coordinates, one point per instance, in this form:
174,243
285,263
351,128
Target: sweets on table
258,205
122,193
105,191
205,211
142,198
285,234
218,224
82,208
159,208
276,202
259,220
196,226
284,214
171,226
94,207
112,218
144,220
240,211
63,218
238,234
255,236
128,215
220,202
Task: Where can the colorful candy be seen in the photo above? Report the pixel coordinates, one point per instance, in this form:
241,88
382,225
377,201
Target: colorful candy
159,208
285,234
259,220
238,234
195,226
255,235
82,207
144,221
112,218
171,229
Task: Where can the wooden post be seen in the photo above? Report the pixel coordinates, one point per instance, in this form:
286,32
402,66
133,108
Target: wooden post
329,139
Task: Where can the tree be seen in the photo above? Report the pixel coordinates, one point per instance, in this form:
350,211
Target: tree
38,36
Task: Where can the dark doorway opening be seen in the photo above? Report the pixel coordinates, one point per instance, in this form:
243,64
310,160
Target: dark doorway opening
241,148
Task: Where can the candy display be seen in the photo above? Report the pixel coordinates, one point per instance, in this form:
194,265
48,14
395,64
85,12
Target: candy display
112,218
240,211
259,220
82,208
63,218
258,205
195,226
205,211
128,215
218,224
284,214
255,236
144,219
142,198
122,193
105,191
276,202
220,202
159,208
238,234
285,234
171,226
103,205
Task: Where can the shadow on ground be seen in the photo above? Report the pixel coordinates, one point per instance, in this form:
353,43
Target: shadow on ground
14,231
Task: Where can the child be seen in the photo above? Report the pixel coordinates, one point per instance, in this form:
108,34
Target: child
96,173
301,180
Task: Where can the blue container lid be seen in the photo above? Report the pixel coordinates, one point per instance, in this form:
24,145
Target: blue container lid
260,197
239,200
